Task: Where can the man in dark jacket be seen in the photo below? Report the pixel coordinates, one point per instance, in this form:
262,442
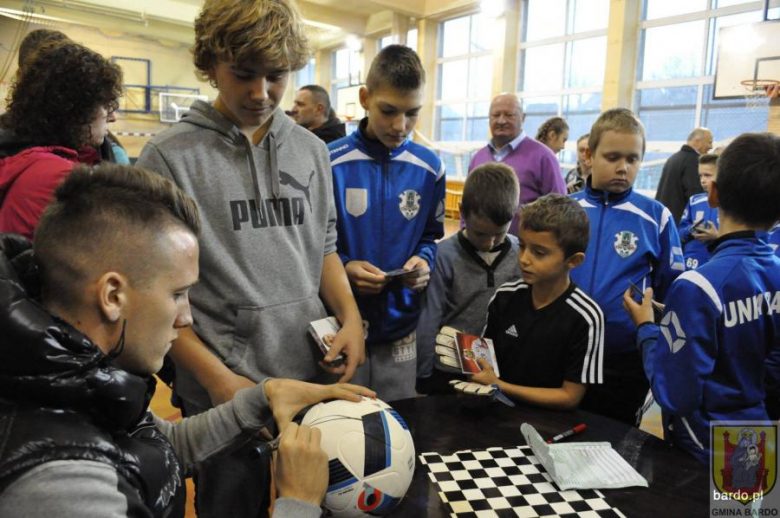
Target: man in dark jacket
87,316
312,110
680,177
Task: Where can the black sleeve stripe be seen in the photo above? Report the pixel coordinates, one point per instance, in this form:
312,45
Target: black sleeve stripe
510,286
592,367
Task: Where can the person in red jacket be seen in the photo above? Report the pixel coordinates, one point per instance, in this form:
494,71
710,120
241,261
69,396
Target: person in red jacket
59,109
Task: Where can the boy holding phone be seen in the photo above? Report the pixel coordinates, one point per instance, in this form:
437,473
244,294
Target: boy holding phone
632,238
716,354
389,195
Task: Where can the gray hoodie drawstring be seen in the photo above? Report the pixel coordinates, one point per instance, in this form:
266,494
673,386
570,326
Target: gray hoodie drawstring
275,185
253,171
276,189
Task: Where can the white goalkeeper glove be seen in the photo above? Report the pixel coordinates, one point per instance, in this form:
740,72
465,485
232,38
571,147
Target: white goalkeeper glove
446,348
478,389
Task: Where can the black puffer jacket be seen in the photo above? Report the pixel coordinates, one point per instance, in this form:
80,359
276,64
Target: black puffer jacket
333,129
60,399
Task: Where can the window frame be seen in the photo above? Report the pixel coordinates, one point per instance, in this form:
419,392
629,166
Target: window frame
468,102
563,92
700,81
350,80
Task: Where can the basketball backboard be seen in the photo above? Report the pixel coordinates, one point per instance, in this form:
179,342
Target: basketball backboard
747,55
173,106
348,107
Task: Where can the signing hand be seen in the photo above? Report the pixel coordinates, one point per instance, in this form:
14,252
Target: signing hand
366,278
287,397
351,341
418,280
301,467
639,313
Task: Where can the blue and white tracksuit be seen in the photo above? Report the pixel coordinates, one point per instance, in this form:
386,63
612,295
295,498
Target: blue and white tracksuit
698,209
390,206
717,350
632,238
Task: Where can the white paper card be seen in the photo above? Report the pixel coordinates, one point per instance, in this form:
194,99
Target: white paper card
582,465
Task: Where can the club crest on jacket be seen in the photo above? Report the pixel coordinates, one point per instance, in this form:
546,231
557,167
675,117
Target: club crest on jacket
625,243
410,203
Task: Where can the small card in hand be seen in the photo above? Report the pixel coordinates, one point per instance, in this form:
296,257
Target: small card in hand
324,331
471,348
401,272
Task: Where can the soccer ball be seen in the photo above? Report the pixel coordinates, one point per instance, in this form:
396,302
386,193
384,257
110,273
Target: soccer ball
370,456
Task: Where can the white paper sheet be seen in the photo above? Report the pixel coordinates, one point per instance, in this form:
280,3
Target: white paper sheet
582,465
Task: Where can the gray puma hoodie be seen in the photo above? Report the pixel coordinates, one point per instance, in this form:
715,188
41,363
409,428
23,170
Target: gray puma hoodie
268,221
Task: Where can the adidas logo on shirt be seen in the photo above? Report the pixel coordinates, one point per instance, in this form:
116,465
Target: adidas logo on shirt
512,331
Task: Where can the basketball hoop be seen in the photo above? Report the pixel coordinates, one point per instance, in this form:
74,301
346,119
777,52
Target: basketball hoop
758,92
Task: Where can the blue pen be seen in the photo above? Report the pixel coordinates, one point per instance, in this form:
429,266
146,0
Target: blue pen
267,447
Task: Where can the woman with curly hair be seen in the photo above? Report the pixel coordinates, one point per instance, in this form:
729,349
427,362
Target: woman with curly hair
59,107
553,133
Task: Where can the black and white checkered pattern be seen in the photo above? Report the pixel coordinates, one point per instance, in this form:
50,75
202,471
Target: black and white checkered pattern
507,482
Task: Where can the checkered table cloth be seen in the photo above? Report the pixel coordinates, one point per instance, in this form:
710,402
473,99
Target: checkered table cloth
507,482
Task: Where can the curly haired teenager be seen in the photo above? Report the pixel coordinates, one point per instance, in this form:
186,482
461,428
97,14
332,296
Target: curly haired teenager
268,248
60,107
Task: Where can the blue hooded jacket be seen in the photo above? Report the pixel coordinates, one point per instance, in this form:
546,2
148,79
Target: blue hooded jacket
717,350
390,205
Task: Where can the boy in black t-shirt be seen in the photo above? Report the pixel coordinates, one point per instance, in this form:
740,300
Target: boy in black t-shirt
548,334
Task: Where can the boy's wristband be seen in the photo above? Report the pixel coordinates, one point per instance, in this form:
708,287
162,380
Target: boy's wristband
643,324
649,334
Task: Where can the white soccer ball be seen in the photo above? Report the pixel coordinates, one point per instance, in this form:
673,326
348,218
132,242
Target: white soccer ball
370,456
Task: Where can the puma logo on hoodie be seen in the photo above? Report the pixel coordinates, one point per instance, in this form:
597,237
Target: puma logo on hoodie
286,179
280,212
272,212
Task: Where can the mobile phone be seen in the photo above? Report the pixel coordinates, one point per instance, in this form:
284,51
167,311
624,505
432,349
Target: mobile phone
696,223
635,290
701,225
400,272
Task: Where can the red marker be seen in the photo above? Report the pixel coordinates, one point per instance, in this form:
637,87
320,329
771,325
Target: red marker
568,433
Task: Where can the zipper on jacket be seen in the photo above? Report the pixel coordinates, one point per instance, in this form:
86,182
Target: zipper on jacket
385,172
602,210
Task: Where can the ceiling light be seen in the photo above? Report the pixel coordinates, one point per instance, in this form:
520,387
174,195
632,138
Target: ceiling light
493,8
354,44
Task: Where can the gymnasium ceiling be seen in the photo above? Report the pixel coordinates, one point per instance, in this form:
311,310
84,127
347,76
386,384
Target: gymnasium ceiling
328,20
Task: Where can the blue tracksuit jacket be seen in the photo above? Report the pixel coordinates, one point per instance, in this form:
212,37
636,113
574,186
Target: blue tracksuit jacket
717,350
694,251
632,238
390,206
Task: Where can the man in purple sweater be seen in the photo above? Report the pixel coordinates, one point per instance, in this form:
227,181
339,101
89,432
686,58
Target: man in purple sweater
534,164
